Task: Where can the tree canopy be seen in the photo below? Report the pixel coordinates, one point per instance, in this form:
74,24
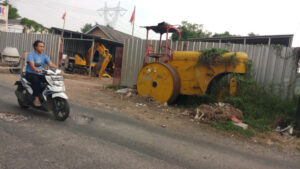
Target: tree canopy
27,23
86,27
192,30
252,34
12,12
223,35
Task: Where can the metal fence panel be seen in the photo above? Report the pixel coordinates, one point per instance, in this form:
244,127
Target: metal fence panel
23,42
272,67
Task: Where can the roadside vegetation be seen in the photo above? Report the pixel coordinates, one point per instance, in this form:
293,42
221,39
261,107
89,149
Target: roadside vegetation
115,86
263,110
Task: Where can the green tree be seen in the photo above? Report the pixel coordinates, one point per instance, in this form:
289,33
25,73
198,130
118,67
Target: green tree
86,27
252,34
28,23
190,30
12,12
223,35
109,26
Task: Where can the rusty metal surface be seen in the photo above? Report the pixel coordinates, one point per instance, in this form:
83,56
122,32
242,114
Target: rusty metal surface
176,82
118,66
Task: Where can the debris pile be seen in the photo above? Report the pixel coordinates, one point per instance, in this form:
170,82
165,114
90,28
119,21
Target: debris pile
286,130
217,112
12,117
128,92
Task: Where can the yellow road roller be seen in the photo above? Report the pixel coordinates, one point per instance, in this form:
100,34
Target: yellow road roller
177,72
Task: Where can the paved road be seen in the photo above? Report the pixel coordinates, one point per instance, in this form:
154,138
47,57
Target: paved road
99,139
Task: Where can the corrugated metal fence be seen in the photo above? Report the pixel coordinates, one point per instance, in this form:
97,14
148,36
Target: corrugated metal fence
23,42
273,66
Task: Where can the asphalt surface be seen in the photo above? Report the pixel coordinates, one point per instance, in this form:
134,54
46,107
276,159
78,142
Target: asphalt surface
93,138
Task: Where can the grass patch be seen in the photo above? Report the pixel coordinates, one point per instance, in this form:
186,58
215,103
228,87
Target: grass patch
231,128
114,87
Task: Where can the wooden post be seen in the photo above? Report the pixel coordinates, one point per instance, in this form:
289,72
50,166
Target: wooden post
92,58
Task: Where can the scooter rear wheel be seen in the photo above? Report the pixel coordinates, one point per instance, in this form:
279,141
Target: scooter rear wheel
21,103
61,109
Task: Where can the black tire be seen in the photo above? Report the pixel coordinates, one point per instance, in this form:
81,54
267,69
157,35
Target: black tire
219,87
61,109
21,103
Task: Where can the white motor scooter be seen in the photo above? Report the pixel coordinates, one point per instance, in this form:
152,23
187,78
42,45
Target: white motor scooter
52,98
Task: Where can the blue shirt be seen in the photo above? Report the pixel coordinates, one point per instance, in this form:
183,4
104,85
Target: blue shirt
39,59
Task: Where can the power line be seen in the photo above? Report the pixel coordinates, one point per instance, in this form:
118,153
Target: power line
116,12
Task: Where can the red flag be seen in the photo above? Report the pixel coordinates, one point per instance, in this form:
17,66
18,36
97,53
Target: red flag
132,16
64,16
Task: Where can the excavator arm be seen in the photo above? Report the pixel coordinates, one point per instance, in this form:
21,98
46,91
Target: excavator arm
104,52
107,56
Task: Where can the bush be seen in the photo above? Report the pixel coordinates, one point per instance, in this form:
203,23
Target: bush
260,107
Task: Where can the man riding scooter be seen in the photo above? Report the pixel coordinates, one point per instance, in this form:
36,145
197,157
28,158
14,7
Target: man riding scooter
36,61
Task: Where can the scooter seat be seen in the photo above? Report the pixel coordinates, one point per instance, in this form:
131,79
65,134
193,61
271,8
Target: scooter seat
26,81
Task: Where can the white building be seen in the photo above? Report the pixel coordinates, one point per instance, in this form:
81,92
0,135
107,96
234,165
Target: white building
14,25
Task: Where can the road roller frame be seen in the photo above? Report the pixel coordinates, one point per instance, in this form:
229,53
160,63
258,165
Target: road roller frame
161,28
180,72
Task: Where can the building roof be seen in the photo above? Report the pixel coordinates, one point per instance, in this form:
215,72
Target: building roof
112,33
285,40
68,34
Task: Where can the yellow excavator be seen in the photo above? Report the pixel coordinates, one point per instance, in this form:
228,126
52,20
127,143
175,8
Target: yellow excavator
100,61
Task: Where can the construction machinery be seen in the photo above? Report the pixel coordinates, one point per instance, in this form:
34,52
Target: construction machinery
175,72
11,59
101,59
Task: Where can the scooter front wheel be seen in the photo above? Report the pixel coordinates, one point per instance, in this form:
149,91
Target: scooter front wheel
61,109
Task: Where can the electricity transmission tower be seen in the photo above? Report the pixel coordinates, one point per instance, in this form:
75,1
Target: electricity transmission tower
111,15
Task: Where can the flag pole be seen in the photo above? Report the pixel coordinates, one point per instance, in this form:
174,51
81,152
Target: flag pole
6,23
133,22
61,48
63,30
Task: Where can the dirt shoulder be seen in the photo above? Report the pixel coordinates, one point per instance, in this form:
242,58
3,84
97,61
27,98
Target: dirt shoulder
92,92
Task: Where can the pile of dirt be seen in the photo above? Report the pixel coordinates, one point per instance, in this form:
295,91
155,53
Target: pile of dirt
217,112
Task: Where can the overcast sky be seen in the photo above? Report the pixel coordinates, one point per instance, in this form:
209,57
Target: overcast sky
263,17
